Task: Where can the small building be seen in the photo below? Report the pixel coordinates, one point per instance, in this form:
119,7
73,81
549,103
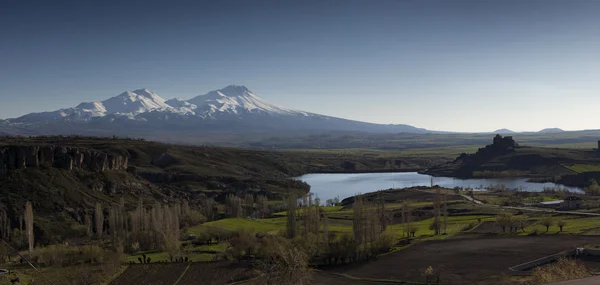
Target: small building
551,204
571,203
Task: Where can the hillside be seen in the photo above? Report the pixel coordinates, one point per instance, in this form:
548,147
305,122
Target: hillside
65,176
504,157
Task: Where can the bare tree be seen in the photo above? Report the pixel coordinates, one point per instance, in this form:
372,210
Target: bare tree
561,223
249,205
99,218
283,263
437,203
233,206
185,208
209,205
5,227
414,230
291,227
547,221
358,227
381,213
262,206
88,225
29,225
504,220
445,210
406,215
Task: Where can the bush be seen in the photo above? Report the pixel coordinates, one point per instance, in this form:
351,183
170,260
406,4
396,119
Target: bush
561,224
281,262
504,220
91,253
562,270
309,244
61,254
547,221
384,242
194,218
243,243
535,232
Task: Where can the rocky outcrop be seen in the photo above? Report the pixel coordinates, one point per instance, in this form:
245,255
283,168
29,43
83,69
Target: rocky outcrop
69,158
503,142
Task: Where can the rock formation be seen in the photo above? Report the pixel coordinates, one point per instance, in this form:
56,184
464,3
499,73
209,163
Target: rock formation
69,158
503,142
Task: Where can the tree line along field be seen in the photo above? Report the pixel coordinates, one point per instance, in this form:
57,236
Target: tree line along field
233,240
465,223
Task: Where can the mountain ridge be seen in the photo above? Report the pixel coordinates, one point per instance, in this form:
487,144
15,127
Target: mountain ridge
143,113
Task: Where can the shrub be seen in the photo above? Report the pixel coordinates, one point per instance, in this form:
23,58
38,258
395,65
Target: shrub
561,224
562,270
384,242
91,253
243,243
194,218
504,220
309,244
547,221
281,262
413,230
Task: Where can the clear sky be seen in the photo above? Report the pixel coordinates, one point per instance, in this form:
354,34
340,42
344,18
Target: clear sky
444,65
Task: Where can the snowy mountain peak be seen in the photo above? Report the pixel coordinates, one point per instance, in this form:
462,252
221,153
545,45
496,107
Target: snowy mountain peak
235,91
142,111
129,102
233,100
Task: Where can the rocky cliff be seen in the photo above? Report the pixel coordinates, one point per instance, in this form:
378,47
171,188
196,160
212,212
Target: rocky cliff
22,157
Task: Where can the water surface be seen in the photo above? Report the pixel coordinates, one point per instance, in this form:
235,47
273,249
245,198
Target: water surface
328,186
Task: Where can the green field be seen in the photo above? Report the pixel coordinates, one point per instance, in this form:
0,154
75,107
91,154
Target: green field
579,168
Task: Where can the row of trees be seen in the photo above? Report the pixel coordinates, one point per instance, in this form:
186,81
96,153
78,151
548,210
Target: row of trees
249,206
154,227
24,233
308,226
515,223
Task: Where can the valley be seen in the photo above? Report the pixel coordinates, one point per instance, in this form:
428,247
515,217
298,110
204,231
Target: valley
238,204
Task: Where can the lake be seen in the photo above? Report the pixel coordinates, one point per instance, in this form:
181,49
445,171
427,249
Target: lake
328,186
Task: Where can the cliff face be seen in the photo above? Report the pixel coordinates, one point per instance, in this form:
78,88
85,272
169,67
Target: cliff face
69,158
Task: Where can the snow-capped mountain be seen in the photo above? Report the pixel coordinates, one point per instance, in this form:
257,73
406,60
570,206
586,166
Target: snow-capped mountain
235,99
231,109
127,104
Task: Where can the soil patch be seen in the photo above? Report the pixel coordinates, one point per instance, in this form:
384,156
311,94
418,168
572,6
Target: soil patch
464,261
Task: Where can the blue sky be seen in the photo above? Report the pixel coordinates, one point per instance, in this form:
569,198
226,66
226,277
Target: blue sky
442,65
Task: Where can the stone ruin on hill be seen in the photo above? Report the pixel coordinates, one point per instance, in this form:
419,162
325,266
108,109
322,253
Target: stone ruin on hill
504,142
500,145
69,158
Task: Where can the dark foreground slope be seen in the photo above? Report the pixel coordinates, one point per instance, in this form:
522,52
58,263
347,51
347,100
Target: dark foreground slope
65,176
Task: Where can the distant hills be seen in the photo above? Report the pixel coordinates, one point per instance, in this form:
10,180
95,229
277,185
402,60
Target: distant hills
551,131
544,131
503,131
231,114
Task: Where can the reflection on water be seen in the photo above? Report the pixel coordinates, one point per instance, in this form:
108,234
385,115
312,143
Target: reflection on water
327,186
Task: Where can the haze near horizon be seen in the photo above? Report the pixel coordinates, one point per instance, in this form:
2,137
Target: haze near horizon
464,66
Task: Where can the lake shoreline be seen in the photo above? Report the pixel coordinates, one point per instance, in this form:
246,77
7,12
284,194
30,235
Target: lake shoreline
344,185
416,170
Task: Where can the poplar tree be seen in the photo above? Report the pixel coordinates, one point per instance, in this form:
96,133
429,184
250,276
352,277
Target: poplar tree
29,225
